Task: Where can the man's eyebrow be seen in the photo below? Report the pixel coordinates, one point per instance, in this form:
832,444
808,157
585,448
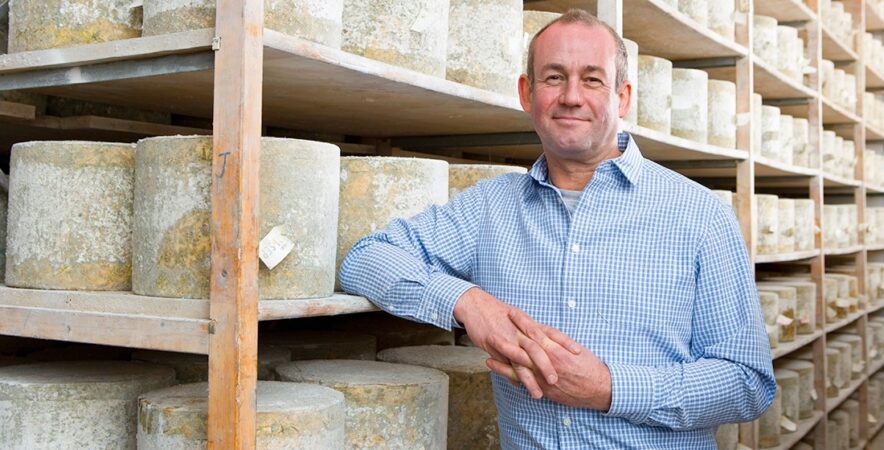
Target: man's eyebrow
561,68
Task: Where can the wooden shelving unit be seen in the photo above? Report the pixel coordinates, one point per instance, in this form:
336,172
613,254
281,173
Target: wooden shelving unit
302,82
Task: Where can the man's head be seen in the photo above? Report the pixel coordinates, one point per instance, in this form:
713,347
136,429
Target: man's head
576,87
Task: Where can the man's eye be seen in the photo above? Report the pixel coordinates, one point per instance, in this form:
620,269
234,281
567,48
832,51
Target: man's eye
553,78
593,81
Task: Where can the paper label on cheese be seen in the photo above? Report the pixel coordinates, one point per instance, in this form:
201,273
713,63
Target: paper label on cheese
787,424
872,419
274,247
784,321
858,367
813,393
743,447
842,303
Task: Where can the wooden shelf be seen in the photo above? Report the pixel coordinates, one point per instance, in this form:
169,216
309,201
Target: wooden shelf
801,340
804,427
843,250
837,114
874,429
874,21
876,365
875,247
766,167
874,78
786,257
873,133
830,180
832,403
129,320
830,327
647,20
664,147
873,189
770,82
875,308
302,85
785,10
835,50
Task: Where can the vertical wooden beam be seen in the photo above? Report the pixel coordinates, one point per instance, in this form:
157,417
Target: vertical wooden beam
233,346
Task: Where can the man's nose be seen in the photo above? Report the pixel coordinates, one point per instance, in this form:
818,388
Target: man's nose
571,95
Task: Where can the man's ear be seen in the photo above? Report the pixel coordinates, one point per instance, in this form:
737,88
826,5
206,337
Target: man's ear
625,95
525,92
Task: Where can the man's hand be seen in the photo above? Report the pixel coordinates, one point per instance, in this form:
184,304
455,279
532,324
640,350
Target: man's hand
584,381
488,324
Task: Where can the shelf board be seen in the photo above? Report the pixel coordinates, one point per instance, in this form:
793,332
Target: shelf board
835,50
875,308
875,247
873,133
770,82
876,366
337,304
766,167
804,427
560,6
874,78
834,402
837,114
129,320
648,20
874,430
830,327
302,86
664,147
830,180
785,10
873,189
874,21
843,250
786,257
800,341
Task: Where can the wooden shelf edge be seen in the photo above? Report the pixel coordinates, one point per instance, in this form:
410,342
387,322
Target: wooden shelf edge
279,43
781,78
804,427
841,47
843,251
843,322
684,144
783,168
19,111
876,365
337,304
878,134
875,308
124,330
835,180
851,118
874,21
832,403
875,247
873,71
786,257
800,341
874,430
128,49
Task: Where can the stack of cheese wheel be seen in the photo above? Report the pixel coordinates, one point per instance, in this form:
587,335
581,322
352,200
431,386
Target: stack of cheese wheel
767,223
67,23
70,215
387,405
315,20
770,310
288,416
764,39
376,190
472,415
299,199
414,34
464,176
655,101
786,225
788,384
805,300
804,224
690,106
807,394
722,113
81,404
786,305
478,56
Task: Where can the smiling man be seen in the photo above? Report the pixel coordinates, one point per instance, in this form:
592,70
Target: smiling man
615,297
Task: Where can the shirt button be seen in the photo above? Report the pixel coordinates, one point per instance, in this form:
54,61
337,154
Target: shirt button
566,421
572,303
575,248
434,316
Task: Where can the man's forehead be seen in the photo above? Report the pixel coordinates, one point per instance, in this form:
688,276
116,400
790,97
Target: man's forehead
560,43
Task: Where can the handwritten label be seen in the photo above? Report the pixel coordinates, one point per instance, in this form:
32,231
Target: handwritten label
813,394
274,247
788,425
784,321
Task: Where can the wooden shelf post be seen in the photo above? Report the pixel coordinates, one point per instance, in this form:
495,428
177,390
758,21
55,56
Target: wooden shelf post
233,345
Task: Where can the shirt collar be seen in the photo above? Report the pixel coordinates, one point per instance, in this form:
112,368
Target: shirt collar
629,163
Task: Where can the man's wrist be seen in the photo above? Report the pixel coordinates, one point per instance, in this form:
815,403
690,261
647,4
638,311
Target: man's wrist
462,305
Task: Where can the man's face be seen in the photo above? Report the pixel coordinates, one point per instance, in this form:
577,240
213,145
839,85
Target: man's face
574,103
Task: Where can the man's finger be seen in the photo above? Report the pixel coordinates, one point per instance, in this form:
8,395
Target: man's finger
511,352
504,370
542,363
526,376
544,335
562,339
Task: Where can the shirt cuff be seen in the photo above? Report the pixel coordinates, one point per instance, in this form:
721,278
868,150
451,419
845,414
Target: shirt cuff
440,295
632,392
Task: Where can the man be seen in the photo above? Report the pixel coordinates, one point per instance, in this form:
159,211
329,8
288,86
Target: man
614,295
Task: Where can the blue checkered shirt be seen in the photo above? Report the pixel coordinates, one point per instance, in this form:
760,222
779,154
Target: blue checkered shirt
650,272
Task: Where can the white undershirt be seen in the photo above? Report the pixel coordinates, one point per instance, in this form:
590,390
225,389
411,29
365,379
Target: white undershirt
570,199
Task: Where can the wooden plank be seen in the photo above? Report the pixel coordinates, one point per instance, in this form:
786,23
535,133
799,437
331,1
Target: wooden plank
835,402
233,347
830,180
835,50
874,78
801,340
660,146
873,133
874,21
770,82
785,10
314,307
787,257
645,21
151,332
843,251
106,302
125,126
562,5
843,322
106,52
17,111
766,167
787,440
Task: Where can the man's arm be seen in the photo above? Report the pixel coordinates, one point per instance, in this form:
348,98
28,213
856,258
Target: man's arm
731,379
